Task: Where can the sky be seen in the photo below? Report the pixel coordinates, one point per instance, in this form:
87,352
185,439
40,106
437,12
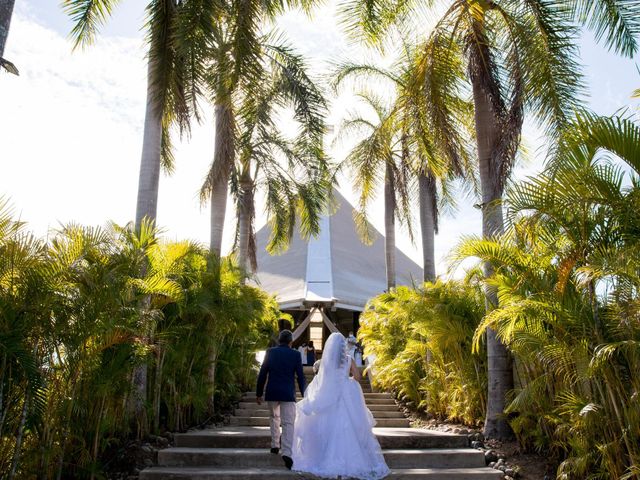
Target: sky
71,124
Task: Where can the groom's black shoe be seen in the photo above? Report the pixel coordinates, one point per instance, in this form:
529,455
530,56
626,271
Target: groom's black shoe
275,450
288,462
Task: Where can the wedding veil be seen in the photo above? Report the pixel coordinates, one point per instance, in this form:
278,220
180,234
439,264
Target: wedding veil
325,389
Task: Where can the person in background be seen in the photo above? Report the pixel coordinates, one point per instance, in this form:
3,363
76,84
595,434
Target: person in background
316,367
311,354
302,349
358,355
352,342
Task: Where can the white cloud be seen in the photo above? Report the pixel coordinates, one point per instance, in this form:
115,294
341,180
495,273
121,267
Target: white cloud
70,126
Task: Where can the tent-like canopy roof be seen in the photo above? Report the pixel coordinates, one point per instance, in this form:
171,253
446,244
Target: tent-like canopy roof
335,268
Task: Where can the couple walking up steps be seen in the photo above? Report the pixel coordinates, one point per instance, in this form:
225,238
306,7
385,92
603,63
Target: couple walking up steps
328,433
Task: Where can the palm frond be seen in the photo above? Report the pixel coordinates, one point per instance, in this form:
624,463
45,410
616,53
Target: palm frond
616,21
88,16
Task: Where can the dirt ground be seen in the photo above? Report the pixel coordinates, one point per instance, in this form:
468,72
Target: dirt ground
530,466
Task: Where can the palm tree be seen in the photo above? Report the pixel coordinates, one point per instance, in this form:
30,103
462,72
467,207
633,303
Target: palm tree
434,161
295,188
235,59
175,35
293,173
567,273
223,78
519,57
6,11
379,157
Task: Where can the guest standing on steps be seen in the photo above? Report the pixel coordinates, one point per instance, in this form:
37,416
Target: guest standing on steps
311,354
280,366
302,349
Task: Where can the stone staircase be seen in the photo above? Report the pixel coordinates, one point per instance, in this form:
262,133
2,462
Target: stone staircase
241,450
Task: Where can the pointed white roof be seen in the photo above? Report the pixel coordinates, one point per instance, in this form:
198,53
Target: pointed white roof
335,267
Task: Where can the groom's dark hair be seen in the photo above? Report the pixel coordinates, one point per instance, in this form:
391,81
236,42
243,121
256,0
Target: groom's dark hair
285,337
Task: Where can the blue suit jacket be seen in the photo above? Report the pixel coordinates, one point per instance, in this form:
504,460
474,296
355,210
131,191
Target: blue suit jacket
280,366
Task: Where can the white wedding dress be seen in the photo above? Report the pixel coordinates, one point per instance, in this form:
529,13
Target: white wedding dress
332,433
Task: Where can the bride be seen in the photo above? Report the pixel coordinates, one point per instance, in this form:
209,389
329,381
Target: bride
332,434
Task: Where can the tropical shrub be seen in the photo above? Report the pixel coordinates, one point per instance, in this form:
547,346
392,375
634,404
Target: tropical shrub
567,275
421,339
82,312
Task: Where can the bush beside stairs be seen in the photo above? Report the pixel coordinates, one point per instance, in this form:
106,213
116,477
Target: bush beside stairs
241,450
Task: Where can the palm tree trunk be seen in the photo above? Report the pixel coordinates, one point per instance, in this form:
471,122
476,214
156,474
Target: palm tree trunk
96,437
223,159
244,224
428,212
3,371
6,11
213,363
157,388
18,451
218,213
500,370
390,226
147,207
149,179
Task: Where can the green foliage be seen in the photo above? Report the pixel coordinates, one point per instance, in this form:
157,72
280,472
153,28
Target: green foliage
566,274
77,315
421,339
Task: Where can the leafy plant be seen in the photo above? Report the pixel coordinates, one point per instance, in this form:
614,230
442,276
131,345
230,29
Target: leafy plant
421,339
77,318
567,279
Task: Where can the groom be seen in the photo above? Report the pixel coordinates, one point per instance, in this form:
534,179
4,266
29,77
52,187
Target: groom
280,365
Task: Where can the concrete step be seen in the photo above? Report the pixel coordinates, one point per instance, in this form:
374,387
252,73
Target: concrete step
258,457
259,437
257,411
264,422
364,380
213,473
389,407
380,401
